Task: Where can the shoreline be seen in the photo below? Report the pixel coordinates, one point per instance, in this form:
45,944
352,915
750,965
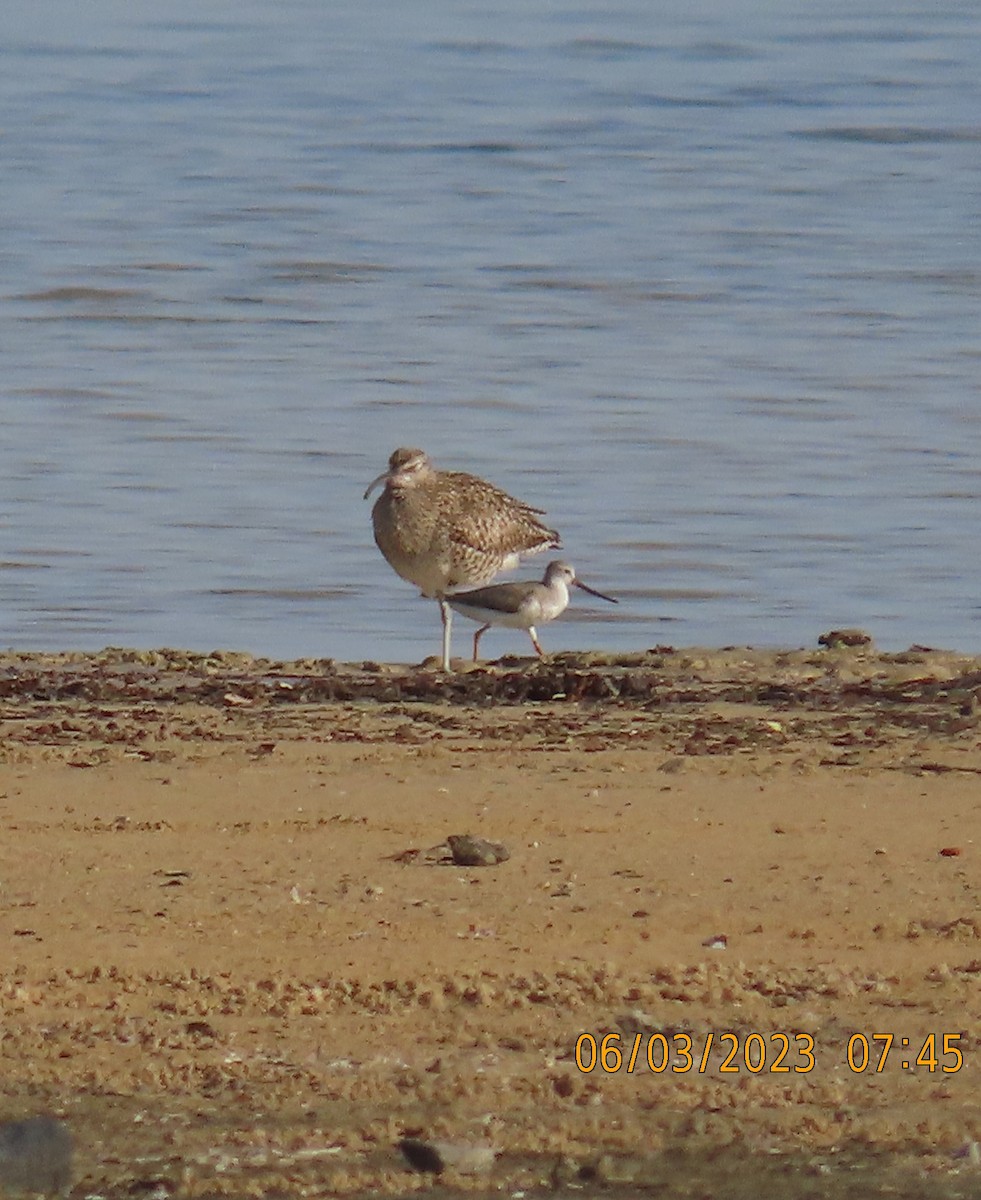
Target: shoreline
596,675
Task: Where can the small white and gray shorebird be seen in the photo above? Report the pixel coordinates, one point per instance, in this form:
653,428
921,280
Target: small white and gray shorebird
447,530
521,605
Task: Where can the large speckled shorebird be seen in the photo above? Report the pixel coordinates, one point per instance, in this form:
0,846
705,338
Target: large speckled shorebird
521,605
447,530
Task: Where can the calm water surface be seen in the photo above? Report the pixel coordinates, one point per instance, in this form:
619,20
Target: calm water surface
703,283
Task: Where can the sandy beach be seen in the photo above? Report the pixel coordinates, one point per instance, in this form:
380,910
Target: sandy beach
239,958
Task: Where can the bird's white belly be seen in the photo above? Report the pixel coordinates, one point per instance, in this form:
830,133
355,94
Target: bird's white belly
524,619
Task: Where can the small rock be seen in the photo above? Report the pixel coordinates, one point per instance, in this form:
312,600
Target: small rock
671,766
466,1158
469,851
615,1169
637,1021
422,1156
971,1151
636,1169
565,1171
35,1156
836,638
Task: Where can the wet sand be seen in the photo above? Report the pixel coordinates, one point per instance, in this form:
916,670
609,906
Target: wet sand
238,958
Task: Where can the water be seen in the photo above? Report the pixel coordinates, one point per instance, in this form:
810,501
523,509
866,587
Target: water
704,283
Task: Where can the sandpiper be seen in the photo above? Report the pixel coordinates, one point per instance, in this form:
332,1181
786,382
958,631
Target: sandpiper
521,605
447,530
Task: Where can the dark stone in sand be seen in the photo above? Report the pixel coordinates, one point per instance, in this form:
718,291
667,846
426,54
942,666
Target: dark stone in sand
35,1157
422,1156
434,1158
835,638
469,851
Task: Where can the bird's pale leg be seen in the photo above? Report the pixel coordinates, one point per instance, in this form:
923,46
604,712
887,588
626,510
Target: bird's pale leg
534,641
476,640
447,614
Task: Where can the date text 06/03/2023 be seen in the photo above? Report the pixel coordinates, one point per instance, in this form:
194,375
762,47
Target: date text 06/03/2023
756,1053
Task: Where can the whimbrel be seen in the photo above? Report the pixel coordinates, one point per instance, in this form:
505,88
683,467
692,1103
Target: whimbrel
521,605
447,530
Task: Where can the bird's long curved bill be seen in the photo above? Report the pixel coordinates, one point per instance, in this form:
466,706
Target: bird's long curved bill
382,478
593,592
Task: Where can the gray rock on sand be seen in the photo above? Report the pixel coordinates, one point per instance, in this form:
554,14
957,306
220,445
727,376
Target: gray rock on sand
466,1158
35,1157
836,639
638,1170
470,851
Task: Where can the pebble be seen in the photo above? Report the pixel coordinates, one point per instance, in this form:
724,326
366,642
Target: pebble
466,1158
836,638
35,1157
638,1170
469,851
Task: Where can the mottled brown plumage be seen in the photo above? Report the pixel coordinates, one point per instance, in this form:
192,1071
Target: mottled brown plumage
446,530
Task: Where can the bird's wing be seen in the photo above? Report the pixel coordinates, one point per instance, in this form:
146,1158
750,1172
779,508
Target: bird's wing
500,597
